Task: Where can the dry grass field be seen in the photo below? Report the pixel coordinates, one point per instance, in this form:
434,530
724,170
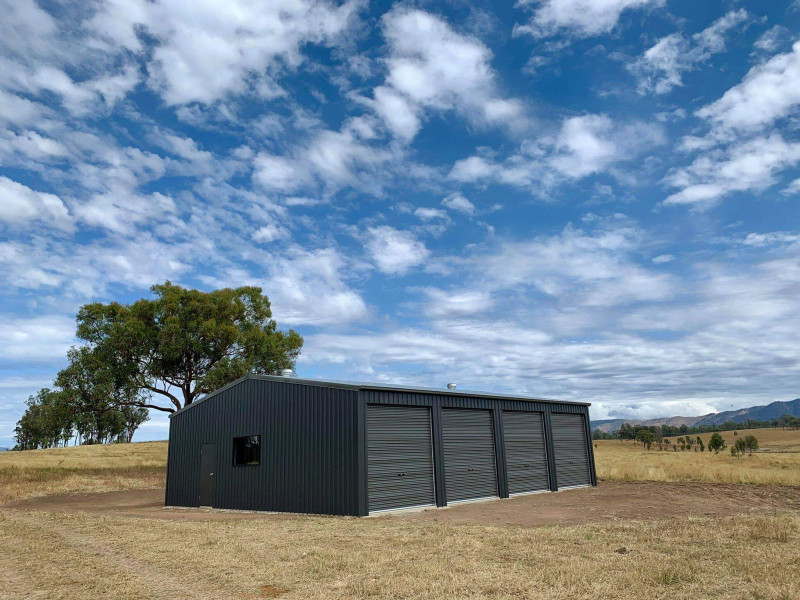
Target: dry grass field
60,554
52,555
81,469
777,462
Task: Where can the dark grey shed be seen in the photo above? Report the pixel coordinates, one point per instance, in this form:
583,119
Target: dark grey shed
288,444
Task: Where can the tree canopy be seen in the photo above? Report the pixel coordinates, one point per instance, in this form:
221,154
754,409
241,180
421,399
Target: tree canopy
185,343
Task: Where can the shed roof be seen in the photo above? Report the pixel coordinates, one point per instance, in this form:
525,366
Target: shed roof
388,387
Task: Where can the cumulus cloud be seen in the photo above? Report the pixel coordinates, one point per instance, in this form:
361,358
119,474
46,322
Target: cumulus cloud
207,50
431,67
428,214
792,189
393,251
661,67
307,287
581,18
585,145
578,267
47,337
453,303
769,92
20,204
458,202
750,166
270,232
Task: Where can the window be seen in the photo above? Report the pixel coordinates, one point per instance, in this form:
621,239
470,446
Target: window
247,450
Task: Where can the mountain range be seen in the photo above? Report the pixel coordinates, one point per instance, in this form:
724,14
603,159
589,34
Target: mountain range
756,413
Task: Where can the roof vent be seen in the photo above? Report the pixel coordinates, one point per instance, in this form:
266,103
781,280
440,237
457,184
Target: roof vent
288,373
451,386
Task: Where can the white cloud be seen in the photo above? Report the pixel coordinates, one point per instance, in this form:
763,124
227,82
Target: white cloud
581,18
20,204
307,288
428,214
270,232
395,252
206,50
279,173
398,112
19,111
769,92
432,67
760,240
663,259
584,146
455,303
473,168
120,211
578,267
792,189
660,68
748,166
459,202
31,145
36,338
772,39
328,159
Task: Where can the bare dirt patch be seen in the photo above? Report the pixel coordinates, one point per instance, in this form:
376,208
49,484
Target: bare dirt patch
617,501
609,502
147,504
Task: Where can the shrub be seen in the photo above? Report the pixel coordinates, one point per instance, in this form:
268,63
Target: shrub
716,443
750,443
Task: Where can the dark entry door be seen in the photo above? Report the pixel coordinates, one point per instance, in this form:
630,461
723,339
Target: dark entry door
526,452
208,469
469,454
399,457
571,449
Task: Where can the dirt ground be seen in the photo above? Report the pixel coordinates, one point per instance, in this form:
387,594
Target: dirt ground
607,503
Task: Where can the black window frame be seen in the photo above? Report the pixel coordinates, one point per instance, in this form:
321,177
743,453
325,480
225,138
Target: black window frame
236,450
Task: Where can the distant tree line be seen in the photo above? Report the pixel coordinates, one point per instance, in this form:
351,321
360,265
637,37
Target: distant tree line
158,354
630,432
650,435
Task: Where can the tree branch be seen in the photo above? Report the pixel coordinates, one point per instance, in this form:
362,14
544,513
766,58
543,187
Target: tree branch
145,405
174,400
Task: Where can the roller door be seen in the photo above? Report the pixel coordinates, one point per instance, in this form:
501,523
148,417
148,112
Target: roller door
399,457
469,454
571,450
526,452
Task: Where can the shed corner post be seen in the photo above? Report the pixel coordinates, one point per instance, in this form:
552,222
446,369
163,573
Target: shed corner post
361,455
551,459
592,466
166,483
500,453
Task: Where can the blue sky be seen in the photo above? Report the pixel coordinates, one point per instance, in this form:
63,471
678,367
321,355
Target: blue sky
592,200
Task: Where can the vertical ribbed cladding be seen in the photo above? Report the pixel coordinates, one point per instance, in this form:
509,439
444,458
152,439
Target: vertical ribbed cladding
308,448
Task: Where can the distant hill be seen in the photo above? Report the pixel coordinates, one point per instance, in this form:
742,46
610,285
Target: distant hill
755,413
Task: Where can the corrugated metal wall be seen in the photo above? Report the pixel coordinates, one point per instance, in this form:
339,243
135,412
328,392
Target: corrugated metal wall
309,448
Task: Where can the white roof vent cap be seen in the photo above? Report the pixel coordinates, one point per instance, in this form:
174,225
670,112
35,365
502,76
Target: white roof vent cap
288,373
451,386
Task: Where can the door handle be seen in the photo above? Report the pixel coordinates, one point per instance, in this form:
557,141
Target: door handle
211,474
